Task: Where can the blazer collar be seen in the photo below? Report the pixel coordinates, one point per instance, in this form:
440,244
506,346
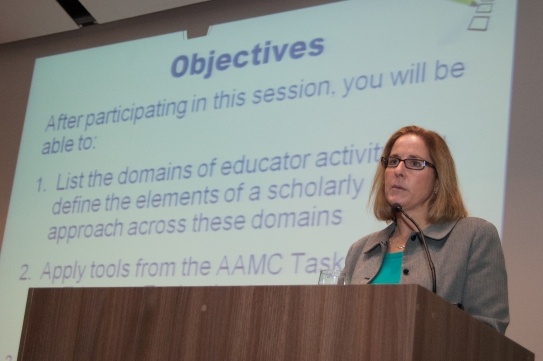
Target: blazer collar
436,231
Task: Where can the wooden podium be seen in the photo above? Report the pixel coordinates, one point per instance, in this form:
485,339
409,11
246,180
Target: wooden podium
255,323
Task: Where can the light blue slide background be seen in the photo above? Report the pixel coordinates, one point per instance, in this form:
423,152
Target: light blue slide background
362,40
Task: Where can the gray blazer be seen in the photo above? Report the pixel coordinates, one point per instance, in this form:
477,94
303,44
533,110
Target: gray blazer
468,259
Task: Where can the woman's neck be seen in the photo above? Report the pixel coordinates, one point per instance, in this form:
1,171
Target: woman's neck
404,226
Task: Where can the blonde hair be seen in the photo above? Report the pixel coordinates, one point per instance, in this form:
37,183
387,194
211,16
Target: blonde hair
446,204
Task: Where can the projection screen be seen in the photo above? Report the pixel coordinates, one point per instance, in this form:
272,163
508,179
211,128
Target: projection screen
245,156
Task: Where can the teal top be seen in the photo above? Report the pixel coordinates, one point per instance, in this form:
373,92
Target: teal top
390,270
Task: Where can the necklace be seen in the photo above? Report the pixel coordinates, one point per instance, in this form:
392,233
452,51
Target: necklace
396,245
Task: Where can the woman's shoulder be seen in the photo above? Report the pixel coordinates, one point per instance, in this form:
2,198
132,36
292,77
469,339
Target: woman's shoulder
465,228
475,223
476,229
374,238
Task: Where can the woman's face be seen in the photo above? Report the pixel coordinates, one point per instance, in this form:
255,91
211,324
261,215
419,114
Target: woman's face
410,188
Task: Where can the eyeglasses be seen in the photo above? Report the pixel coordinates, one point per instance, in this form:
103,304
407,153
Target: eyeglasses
410,163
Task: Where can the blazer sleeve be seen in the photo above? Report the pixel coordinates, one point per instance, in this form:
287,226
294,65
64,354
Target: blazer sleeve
485,291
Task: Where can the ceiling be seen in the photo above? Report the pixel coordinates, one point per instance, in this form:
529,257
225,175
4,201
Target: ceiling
24,19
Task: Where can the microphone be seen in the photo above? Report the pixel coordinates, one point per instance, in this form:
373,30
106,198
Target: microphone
398,208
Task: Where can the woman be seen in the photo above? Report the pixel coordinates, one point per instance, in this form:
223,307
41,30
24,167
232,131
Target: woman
417,173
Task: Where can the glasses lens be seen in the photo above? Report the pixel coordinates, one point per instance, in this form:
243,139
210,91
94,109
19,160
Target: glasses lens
392,162
414,163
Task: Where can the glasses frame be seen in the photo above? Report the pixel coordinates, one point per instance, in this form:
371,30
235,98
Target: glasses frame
385,163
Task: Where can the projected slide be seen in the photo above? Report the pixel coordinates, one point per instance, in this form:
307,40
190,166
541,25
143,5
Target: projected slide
245,157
